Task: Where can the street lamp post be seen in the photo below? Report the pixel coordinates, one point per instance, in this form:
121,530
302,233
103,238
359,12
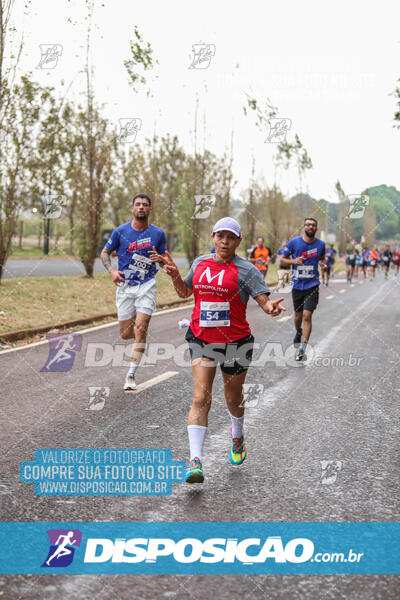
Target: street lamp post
46,240
46,228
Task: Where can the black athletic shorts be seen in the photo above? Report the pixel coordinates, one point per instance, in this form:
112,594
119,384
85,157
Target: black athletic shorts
234,357
305,299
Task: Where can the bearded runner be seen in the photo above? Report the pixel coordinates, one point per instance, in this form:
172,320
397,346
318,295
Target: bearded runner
307,252
134,243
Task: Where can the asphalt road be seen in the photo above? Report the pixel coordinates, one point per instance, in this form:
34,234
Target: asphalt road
70,266
343,407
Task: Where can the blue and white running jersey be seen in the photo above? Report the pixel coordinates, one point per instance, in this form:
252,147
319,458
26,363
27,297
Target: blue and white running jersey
305,276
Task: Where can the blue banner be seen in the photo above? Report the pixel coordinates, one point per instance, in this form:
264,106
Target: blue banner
103,472
200,548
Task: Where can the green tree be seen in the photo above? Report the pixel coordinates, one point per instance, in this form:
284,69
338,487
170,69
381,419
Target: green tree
96,142
22,105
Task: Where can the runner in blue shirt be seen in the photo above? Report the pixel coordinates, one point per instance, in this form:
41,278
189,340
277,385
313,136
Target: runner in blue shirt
350,261
358,263
306,251
364,262
379,262
330,259
135,242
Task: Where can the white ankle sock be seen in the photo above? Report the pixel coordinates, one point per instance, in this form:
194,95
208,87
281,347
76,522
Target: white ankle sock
196,434
132,368
237,426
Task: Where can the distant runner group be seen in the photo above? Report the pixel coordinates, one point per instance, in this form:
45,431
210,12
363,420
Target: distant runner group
370,260
221,283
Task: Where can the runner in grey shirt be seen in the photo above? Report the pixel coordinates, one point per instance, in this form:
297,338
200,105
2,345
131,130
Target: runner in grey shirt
220,334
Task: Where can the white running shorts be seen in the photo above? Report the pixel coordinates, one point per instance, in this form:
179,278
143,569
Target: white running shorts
131,299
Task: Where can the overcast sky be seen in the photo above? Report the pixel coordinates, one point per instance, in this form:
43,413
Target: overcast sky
327,66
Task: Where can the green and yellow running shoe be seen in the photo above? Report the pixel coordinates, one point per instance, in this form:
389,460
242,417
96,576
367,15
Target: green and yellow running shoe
195,472
238,451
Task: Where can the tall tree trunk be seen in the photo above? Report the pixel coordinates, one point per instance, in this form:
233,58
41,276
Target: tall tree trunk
57,235
71,221
170,226
88,264
115,216
3,258
369,227
20,234
71,236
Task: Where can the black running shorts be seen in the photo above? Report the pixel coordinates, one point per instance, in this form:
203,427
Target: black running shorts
305,299
234,357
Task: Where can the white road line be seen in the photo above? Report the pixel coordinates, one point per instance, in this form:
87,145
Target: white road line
154,381
112,324
329,297
283,319
342,291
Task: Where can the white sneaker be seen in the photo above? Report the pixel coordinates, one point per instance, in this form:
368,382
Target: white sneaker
130,382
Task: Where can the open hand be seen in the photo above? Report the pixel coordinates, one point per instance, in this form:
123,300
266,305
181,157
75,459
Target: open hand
155,256
276,308
168,264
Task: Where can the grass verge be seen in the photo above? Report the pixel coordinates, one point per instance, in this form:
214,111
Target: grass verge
38,301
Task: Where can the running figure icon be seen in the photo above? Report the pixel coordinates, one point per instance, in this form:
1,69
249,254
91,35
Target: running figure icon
64,346
62,549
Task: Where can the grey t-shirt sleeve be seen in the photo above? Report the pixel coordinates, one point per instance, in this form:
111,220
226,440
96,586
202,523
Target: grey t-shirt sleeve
251,282
189,277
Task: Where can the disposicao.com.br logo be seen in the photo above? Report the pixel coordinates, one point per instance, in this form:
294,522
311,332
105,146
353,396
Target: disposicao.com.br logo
248,551
164,547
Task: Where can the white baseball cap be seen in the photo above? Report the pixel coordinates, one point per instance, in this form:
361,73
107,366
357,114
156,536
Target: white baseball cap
227,224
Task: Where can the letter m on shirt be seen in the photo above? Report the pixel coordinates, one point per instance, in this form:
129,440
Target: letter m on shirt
209,277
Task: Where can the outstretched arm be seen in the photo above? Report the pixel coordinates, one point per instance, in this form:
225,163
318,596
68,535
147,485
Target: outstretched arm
170,268
271,307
